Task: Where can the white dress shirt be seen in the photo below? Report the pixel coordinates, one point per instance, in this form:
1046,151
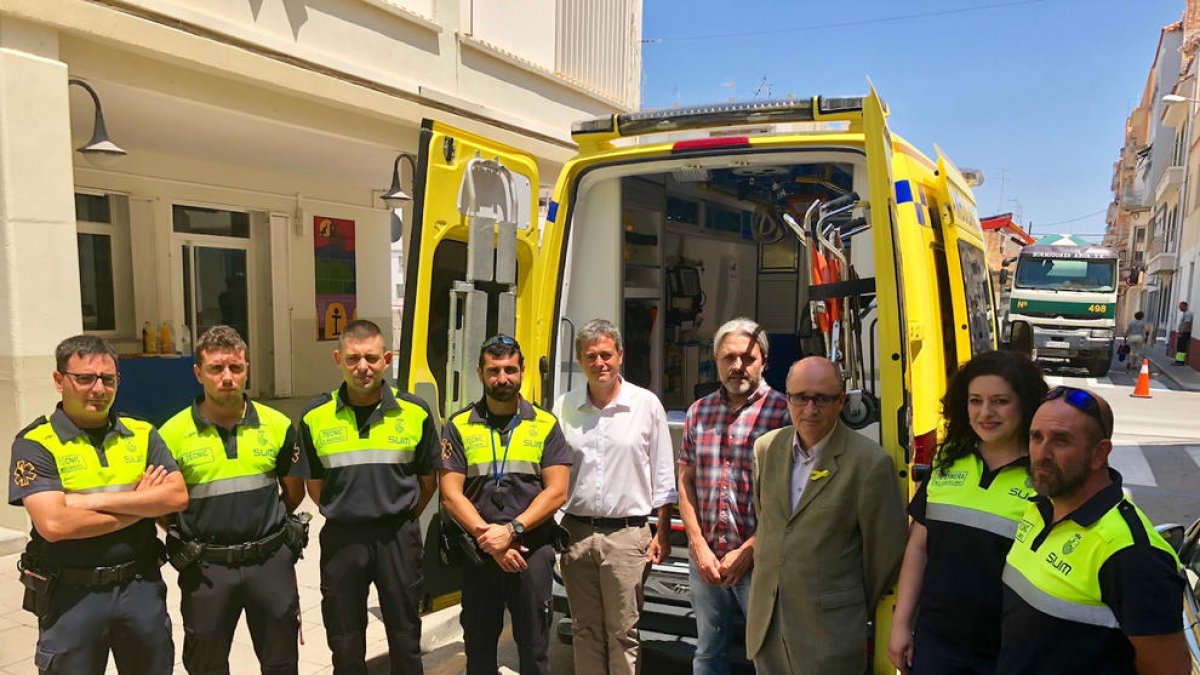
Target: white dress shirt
803,463
622,461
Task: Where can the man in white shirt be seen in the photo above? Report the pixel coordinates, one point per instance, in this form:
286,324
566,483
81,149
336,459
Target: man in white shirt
1183,338
622,469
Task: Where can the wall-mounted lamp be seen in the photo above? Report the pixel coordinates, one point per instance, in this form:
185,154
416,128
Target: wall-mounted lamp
396,196
100,150
1176,98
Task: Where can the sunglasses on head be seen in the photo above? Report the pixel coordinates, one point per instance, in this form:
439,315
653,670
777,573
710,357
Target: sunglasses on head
500,340
1083,401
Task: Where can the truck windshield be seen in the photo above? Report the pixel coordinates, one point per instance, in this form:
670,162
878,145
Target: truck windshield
1066,274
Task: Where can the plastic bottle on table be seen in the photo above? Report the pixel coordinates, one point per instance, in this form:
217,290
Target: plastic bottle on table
149,339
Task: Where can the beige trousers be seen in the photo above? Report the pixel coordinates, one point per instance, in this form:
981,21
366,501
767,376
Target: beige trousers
604,570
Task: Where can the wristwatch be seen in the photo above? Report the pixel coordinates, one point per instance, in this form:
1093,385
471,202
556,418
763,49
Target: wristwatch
516,529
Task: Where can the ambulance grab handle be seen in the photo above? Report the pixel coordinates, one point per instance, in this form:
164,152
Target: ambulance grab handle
844,200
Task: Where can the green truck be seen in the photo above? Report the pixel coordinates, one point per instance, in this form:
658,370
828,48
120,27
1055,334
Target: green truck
1063,304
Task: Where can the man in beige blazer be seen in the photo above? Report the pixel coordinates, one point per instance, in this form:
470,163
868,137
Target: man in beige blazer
831,533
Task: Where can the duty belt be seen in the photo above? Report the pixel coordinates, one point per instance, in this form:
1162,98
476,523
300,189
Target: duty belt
243,554
92,577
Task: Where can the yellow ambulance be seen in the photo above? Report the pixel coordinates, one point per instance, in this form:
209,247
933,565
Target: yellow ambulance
807,215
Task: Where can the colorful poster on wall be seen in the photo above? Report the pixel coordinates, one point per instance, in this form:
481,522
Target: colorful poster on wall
337,298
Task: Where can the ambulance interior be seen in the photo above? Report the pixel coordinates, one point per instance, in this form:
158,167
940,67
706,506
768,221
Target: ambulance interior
672,249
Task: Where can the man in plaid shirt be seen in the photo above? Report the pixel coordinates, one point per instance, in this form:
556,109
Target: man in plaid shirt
716,463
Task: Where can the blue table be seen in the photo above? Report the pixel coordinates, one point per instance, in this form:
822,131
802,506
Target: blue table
154,389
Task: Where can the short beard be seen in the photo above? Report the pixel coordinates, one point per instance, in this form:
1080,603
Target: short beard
502,396
1062,484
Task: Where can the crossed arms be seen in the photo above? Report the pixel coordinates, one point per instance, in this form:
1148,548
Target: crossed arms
59,516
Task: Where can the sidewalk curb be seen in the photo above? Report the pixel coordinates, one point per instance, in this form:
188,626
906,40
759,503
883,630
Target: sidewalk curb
440,628
1163,368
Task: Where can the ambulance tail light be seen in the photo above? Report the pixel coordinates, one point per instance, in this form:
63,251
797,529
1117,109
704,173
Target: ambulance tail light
924,447
709,143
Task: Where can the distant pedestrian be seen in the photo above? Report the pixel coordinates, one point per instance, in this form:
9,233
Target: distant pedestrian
1183,334
623,469
964,517
1136,337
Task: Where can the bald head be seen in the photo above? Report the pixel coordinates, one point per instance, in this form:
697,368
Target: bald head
814,368
815,398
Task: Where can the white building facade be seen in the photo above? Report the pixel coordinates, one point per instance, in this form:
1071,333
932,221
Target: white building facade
260,136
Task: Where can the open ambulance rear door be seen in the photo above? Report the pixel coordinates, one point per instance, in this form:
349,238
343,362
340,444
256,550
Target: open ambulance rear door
472,265
893,336
974,313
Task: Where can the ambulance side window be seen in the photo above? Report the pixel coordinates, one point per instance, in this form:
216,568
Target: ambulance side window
949,342
979,306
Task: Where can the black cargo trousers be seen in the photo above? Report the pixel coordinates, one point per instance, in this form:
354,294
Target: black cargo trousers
212,599
385,552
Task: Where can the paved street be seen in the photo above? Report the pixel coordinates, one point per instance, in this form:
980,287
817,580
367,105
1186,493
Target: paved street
1157,440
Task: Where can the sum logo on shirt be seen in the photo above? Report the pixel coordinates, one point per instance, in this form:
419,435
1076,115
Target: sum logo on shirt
1072,544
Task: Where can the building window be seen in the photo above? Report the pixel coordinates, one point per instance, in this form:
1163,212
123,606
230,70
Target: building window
105,264
93,214
199,220
96,282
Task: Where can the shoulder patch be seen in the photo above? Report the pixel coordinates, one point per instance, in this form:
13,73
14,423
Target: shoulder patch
24,473
35,424
447,448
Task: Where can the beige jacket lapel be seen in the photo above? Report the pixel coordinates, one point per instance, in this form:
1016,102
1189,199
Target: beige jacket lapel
822,473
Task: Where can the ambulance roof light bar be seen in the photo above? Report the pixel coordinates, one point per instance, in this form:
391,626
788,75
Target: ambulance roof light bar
722,114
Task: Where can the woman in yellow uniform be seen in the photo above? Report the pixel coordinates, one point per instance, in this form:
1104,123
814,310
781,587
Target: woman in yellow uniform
964,519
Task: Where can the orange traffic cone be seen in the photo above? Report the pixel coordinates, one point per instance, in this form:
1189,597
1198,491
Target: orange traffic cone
1142,389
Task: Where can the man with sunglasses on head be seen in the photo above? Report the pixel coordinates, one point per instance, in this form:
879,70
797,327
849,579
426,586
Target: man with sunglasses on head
831,533
716,463
369,453
93,482
505,466
1089,586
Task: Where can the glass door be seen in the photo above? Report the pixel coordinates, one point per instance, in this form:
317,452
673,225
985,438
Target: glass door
215,289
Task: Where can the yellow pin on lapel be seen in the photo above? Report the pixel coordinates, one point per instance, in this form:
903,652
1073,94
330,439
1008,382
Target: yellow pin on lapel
818,475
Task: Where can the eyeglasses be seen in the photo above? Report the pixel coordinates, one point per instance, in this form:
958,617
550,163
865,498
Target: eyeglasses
819,400
89,379
500,339
1083,401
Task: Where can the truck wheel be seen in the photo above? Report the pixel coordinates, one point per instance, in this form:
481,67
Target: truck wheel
1099,367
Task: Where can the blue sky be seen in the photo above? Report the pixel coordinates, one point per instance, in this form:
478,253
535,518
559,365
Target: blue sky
1035,92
